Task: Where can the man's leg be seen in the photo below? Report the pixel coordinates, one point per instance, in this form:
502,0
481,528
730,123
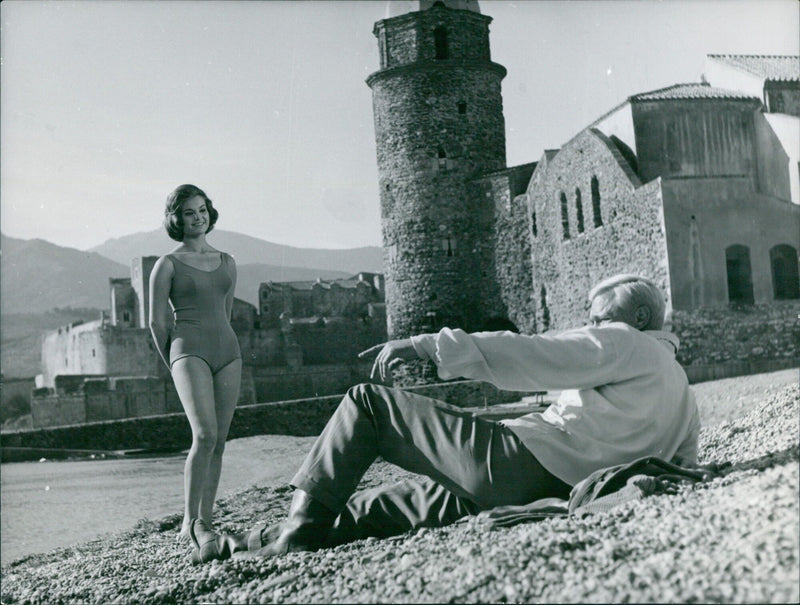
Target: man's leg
476,463
391,510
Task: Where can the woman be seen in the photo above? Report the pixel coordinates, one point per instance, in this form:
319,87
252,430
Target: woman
196,341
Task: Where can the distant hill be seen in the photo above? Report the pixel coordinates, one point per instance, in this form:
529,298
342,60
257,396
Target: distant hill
250,250
37,276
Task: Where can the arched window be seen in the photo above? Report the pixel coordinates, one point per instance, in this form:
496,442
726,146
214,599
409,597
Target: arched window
740,282
579,209
564,216
545,310
598,219
533,220
440,42
785,278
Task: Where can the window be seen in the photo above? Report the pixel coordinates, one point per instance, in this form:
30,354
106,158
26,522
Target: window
462,107
449,245
740,283
533,222
598,219
440,43
564,216
579,209
785,279
545,310
442,155
126,316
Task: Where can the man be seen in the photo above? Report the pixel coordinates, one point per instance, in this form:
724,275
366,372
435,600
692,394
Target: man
624,397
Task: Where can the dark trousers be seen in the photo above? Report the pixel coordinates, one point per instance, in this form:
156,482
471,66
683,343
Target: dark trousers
469,464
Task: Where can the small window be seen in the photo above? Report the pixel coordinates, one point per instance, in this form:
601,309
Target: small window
449,246
440,43
442,156
564,216
94,354
579,209
545,310
740,282
533,222
785,275
126,316
598,219
462,108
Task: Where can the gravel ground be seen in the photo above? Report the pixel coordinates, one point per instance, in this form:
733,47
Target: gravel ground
733,539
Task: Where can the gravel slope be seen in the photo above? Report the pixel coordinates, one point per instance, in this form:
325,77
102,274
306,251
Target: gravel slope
733,539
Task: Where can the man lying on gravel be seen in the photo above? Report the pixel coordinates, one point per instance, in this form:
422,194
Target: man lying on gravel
624,397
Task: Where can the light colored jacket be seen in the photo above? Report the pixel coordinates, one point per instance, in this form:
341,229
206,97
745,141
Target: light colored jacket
623,394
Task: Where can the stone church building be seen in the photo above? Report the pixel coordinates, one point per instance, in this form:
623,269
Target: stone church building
694,185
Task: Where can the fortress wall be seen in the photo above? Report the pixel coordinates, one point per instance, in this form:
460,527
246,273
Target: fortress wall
302,417
738,341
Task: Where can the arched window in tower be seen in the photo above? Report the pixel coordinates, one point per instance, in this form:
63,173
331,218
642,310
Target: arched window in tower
545,310
740,282
785,275
440,43
564,216
449,246
579,209
598,219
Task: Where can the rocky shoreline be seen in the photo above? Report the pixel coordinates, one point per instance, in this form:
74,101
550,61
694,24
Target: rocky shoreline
733,539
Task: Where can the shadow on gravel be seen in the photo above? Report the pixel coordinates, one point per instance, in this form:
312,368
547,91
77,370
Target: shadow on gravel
761,463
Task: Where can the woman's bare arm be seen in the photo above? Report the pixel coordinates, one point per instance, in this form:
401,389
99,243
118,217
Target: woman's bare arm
160,312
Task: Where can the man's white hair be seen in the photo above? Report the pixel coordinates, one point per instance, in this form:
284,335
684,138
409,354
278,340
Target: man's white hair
632,291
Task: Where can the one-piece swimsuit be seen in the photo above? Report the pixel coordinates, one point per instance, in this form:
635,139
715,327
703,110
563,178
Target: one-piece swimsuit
202,328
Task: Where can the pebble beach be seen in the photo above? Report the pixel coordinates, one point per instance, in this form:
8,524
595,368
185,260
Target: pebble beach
735,538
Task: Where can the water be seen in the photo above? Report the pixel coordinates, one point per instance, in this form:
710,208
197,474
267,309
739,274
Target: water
46,505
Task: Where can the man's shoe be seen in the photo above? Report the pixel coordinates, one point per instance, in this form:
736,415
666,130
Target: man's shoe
306,529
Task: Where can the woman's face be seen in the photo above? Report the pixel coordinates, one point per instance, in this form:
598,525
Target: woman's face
194,215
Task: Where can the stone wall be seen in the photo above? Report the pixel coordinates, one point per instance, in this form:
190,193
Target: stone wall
758,336
87,399
626,237
410,38
512,245
695,138
305,417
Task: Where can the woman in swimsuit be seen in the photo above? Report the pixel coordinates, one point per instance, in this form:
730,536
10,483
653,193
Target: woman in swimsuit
195,339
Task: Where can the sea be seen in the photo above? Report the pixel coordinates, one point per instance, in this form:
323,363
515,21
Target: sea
50,504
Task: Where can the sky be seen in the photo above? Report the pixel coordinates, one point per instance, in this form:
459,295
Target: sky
105,107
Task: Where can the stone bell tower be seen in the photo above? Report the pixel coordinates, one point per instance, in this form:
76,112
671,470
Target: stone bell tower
439,123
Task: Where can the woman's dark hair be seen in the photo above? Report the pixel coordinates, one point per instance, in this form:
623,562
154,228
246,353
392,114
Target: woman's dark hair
173,220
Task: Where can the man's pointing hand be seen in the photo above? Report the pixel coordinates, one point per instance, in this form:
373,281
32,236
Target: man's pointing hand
392,354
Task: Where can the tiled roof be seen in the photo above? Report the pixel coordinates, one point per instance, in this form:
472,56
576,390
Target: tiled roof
690,91
768,67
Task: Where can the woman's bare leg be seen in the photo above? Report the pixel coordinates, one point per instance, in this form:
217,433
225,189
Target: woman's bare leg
227,382
195,387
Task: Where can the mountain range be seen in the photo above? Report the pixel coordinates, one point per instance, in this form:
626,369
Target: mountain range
38,276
